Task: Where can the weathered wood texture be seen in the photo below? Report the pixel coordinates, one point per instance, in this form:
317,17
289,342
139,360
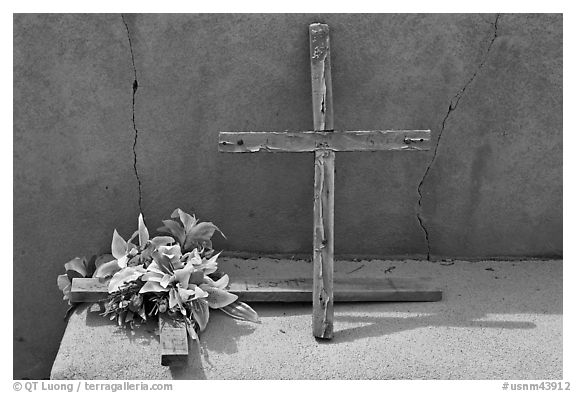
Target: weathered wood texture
321,77
323,297
323,242
324,141
308,141
173,341
346,289
88,290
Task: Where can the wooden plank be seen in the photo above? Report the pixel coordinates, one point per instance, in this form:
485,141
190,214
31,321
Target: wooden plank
346,289
308,141
173,341
321,77
323,297
323,242
88,290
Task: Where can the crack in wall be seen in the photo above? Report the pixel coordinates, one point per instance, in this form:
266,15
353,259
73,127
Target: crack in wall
451,108
134,89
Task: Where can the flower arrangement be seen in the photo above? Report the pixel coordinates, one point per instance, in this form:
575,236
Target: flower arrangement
175,274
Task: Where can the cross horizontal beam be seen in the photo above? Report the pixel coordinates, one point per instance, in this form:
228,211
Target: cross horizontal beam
346,289
251,289
309,141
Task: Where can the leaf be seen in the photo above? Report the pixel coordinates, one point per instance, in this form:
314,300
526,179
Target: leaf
146,254
174,300
187,220
103,259
175,229
218,298
119,246
163,262
152,276
207,244
124,276
177,265
197,277
162,241
199,293
185,294
154,268
222,283
183,275
242,311
63,281
172,252
91,266
135,260
142,313
210,266
132,237
201,232
165,280
72,274
201,313
191,332
123,262
65,285
193,257
143,235
107,269
152,286
77,265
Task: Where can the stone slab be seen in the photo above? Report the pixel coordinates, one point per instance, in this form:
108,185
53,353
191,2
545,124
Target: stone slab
497,320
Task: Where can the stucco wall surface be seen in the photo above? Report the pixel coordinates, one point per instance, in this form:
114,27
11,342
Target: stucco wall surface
91,147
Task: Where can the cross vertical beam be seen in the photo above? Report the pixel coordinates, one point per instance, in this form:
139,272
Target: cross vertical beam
323,291
324,142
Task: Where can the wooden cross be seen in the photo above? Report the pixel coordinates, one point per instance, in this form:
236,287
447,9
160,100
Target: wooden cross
323,289
324,142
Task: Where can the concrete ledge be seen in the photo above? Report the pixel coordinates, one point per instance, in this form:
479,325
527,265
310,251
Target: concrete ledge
498,320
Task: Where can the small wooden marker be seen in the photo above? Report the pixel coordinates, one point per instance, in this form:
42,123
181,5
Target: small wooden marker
323,141
173,334
88,290
173,341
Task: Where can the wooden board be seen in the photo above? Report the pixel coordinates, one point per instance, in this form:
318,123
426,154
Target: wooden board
323,242
88,290
308,141
320,71
173,341
346,289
